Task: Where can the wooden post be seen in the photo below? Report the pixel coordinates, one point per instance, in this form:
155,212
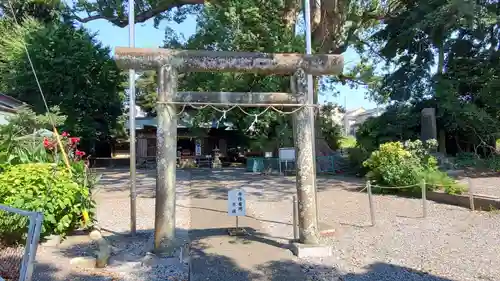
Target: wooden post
166,141
471,194
306,176
370,202
294,218
423,187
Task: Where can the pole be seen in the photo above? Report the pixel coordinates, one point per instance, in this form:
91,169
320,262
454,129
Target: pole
471,195
310,95
294,218
346,120
423,186
370,202
131,74
166,158
305,175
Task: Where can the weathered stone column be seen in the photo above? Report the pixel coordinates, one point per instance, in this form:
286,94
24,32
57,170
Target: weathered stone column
428,128
166,141
306,176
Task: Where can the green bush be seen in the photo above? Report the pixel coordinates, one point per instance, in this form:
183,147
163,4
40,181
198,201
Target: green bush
348,142
357,156
393,165
471,160
441,180
46,188
398,164
466,159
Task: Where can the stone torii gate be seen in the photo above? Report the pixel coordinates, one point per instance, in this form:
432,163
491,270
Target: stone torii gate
169,63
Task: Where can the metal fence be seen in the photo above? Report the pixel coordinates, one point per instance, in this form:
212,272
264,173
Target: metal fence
17,258
324,164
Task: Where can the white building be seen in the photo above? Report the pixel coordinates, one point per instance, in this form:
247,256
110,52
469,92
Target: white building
8,108
352,119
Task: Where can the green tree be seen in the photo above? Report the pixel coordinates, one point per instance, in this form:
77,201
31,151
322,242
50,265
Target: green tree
444,54
46,11
76,73
146,93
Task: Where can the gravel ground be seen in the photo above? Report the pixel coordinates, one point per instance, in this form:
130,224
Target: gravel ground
452,243
130,261
485,185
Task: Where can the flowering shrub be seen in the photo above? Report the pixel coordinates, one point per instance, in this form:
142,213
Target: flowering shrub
47,188
393,165
37,179
69,144
408,163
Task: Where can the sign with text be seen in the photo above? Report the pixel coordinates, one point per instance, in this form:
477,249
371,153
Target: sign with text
287,154
236,202
198,149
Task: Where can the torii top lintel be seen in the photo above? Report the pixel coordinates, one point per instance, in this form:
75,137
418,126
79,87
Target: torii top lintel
211,61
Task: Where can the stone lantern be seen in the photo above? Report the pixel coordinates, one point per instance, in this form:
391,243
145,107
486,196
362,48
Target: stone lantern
217,163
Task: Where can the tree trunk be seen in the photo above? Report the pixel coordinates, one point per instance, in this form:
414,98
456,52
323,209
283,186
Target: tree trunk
442,141
440,69
322,146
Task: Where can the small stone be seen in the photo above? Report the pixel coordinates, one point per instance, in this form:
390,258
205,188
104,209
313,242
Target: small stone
103,253
104,249
83,262
149,259
95,235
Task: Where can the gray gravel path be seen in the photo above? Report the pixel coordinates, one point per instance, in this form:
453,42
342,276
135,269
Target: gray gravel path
451,244
489,186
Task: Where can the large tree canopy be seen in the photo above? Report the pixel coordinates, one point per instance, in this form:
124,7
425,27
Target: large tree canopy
334,23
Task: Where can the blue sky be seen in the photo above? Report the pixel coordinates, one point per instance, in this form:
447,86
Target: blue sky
148,36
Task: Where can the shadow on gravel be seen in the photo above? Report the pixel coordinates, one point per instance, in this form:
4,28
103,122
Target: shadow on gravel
216,267
225,212
129,251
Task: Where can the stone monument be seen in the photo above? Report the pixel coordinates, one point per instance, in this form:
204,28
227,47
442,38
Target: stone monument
428,129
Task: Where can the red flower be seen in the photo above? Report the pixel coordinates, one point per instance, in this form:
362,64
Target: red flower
79,153
64,134
47,143
74,140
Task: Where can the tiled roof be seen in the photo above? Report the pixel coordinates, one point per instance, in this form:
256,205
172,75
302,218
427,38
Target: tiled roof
10,102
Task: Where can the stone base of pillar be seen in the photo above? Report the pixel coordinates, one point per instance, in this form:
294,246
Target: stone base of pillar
326,230
311,251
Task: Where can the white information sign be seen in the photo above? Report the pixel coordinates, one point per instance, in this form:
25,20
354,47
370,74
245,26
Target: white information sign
236,203
198,149
287,154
